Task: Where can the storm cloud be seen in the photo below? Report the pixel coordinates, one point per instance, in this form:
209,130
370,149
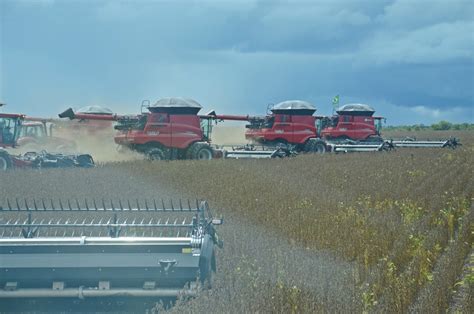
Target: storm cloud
412,60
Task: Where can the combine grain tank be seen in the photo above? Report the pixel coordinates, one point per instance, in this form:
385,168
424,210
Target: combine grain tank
94,250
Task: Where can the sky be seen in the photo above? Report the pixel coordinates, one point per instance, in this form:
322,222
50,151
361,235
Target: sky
412,60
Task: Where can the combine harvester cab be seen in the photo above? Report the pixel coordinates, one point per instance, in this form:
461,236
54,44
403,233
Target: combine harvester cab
68,251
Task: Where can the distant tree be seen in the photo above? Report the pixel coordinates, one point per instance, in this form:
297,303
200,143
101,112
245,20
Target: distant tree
442,125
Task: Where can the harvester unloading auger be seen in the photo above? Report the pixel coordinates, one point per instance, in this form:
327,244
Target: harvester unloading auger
89,250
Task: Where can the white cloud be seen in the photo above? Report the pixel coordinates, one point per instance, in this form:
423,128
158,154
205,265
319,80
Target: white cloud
441,42
400,114
412,14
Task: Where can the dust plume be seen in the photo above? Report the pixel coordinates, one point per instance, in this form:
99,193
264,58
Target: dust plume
99,143
228,135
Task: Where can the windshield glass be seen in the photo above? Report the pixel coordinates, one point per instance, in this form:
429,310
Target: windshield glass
206,127
8,130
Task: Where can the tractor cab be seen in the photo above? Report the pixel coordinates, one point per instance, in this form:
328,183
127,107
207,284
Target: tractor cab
10,127
353,122
290,122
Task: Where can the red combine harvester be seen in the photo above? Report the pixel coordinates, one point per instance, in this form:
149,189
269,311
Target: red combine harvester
171,129
353,122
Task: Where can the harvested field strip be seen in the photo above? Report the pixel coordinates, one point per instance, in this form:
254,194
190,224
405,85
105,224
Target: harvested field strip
317,233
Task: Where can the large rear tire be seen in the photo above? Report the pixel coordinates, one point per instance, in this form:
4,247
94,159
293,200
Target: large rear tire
5,161
315,146
200,151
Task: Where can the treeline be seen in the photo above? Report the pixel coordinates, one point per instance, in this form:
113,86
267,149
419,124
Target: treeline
440,126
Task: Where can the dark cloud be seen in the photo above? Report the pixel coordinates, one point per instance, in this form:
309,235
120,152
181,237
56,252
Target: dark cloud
409,59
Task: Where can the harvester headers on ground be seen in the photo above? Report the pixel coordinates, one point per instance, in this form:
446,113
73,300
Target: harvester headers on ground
105,249
43,159
410,142
255,151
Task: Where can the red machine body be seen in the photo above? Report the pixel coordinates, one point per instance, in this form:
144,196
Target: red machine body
357,128
283,128
171,129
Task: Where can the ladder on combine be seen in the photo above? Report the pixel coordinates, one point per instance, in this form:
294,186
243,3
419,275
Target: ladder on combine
57,250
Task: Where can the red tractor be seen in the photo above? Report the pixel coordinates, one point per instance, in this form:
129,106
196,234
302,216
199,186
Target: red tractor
171,129
37,134
292,122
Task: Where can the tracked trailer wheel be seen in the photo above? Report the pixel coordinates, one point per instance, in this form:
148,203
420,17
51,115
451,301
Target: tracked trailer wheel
5,161
93,250
316,146
200,151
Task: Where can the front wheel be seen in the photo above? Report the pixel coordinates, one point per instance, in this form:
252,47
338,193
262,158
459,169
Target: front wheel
315,146
200,151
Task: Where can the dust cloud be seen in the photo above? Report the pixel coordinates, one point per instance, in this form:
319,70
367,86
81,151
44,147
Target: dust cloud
98,143
228,135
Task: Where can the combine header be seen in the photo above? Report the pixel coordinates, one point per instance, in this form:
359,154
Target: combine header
57,250
449,143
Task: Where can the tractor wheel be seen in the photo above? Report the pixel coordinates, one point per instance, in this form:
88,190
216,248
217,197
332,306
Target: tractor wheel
156,153
200,151
315,146
5,162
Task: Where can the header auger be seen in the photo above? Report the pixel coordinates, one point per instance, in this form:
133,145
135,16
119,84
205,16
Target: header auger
95,249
